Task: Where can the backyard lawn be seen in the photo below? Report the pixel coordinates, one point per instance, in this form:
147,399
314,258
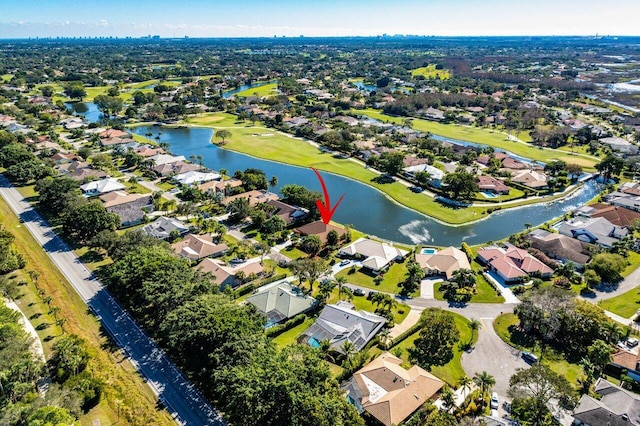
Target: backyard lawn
390,284
267,89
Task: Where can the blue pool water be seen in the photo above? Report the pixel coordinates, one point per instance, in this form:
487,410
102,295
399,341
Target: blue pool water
428,250
488,194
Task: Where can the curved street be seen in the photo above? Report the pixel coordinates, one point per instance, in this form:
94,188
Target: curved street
184,402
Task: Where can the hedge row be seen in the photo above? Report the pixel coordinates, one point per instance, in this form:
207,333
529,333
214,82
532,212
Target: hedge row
276,330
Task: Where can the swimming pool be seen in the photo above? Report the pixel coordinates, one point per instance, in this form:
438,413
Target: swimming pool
488,194
428,250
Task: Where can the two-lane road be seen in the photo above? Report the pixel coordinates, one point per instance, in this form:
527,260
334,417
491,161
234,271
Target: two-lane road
185,403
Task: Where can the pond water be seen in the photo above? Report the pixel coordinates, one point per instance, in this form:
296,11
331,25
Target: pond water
88,110
365,208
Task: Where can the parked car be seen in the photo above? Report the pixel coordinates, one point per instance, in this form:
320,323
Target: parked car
345,262
495,403
236,261
358,292
632,342
529,357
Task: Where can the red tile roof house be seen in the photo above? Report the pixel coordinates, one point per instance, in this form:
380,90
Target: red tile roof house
491,184
512,264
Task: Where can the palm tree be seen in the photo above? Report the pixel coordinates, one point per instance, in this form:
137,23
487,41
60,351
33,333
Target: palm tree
340,282
474,325
465,277
485,381
612,331
465,383
61,322
349,351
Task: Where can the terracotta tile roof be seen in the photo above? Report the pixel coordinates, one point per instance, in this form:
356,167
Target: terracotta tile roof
319,229
391,393
617,215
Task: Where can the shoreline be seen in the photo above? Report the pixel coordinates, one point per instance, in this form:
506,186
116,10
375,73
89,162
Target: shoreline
570,191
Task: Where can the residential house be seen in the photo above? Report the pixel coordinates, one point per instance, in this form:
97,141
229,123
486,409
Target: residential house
616,407
512,264
98,187
485,159
443,262
436,174
146,151
290,214
165,227
626,201
160,159
106,142
255,197
222,186
560,247
175,168
389,392
341,323
432,114
280,301
319,229
627,359
377,256
114,133
194,177
493,185
196,247
594,230
86,173
227,275
617,215
127,206
530,178
620,145
630,188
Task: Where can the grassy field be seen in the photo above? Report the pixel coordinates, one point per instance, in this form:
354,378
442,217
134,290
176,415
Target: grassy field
6,77
484,292
430,71
125,390
634,263
265,143
452,371
487,137
268,89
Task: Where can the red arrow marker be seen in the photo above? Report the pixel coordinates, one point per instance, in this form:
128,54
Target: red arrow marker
326,212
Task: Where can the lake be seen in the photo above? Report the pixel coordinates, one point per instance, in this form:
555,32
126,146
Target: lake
88,110
365,208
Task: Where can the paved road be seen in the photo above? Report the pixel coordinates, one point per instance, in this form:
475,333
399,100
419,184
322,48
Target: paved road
604,291
185,403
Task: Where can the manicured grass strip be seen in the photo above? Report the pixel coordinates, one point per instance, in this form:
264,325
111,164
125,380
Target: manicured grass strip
486,137
124,387
634,263
624,305
290,336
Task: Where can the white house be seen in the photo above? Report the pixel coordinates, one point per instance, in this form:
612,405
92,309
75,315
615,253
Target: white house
620,145
436,174
194,177
102,186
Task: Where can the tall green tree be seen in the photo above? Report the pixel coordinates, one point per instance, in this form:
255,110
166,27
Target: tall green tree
460,185
437,337
85,221
533,388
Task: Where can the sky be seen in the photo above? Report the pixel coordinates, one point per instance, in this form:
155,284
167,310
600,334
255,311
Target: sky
292,18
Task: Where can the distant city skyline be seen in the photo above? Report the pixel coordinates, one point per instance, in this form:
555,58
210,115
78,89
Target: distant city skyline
292,18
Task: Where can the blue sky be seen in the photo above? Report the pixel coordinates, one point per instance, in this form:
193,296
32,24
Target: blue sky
266,18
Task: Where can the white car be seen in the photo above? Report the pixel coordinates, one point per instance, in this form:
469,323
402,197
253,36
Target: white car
494,401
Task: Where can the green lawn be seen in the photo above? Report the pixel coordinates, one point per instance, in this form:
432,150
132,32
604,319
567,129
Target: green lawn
390,283
289,337
430,71
267,89
452,371
6,77
487,137
484,292
624,305
634,263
